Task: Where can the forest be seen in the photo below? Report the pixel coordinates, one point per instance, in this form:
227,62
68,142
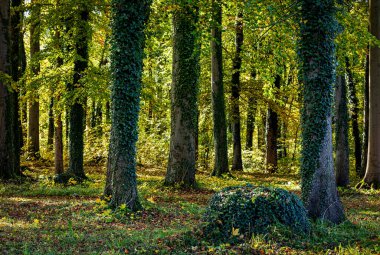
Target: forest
189,127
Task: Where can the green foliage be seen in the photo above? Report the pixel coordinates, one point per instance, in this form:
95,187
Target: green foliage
247,210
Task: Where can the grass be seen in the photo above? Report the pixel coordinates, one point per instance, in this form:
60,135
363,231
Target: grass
39,217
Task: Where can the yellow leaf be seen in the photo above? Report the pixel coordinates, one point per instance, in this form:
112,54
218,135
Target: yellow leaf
151,199
235,231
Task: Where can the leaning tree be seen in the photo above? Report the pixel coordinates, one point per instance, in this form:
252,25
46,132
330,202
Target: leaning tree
317,56
127,48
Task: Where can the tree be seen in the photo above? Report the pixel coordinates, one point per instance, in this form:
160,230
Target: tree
341,137
372,175
34,105
354,117
217,89
9,143
237,163
317,56
76,110
272,134
184,89
127,48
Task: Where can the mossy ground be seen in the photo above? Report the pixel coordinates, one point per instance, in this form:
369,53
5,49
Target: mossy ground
38,217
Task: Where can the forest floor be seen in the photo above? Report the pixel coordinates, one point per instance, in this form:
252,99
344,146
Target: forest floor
40,217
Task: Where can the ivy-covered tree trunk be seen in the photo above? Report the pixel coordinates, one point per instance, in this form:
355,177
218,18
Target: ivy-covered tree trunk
184,89
354,118
237,162
271,135
372,175
76,111
34,105
218,106
9,157
341,133
317,55
127,48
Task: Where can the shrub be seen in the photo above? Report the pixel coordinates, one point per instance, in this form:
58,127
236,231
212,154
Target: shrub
245,210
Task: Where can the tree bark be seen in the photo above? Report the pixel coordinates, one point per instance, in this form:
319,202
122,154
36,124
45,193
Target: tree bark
271,135
127,48
372,175
366,120
76,111
218,106
34,105
317,55
251,112
342,163
9,129
58,142
237,163
354,118
185,76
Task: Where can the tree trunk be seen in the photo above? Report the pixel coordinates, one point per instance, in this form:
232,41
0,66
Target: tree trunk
51,124
271,135
342,163
218,106
76,111
34,105
317,55
58,142
237,163
127,50
354,117
366,120
9,131
251,111
181,165
372,175
261,130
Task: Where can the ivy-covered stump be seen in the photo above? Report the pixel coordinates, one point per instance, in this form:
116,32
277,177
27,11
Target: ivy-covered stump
241,211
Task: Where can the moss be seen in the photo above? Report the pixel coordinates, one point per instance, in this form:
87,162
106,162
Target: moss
247,210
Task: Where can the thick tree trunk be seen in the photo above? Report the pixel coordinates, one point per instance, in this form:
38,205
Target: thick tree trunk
261,131
317,55
218,106
271,135
237,163
51,124
181,165
9,154
34,106
127,50
341,133
365,120
77,112
372,175
354,117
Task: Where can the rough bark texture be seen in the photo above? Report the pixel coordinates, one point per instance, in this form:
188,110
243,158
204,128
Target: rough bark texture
218,106
181,165
271,136
34,105
317,55
365,120
237,163
341,133
127,47
76,112
372,175
9,145
251,111
354,118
